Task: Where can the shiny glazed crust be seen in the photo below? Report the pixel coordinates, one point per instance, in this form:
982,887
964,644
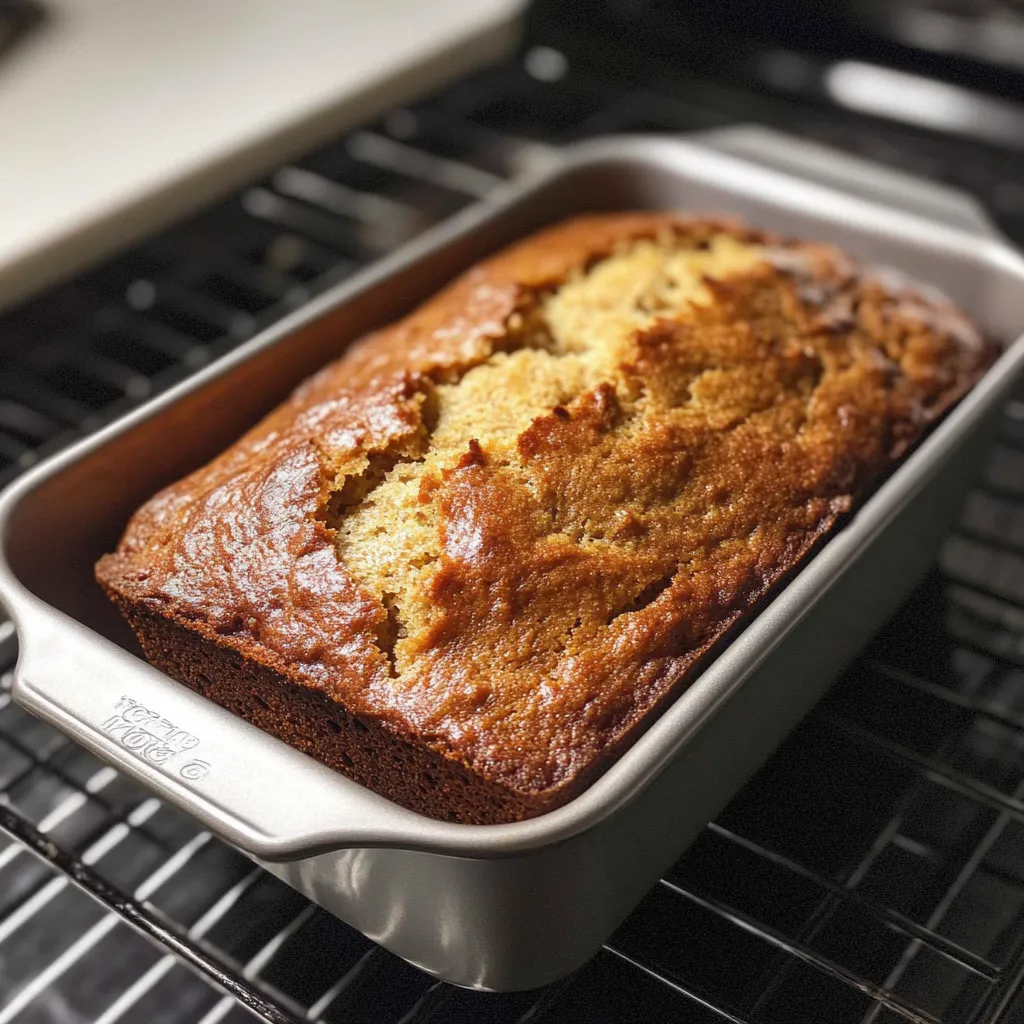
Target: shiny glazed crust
468,562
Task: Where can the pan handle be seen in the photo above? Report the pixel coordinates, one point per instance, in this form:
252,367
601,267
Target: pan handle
268,799
823,165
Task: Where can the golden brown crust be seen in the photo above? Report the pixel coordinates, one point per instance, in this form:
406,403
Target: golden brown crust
575,573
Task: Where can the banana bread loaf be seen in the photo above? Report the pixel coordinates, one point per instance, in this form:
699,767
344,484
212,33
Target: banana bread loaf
467,563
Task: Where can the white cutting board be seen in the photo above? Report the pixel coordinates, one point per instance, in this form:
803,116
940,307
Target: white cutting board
119,115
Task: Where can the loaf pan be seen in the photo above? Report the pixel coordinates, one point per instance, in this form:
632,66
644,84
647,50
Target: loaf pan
517,905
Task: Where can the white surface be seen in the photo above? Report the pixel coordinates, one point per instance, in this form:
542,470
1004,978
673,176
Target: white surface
118,114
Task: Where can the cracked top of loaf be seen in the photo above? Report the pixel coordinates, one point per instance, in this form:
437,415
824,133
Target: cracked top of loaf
510,524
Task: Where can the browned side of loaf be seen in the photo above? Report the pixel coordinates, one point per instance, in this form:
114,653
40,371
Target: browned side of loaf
396,766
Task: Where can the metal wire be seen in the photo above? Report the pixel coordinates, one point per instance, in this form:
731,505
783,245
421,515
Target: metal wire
137,914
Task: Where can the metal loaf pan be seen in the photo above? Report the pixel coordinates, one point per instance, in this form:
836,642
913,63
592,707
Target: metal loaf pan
505,906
